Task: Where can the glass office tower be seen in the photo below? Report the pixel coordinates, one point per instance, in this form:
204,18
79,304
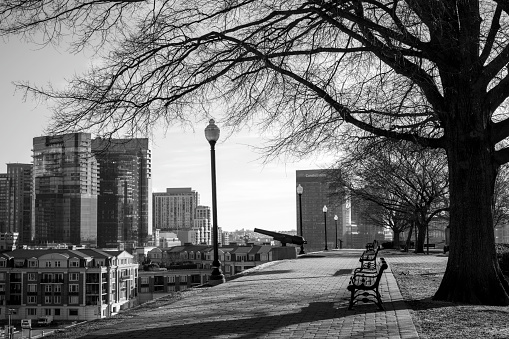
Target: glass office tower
125,192
65,190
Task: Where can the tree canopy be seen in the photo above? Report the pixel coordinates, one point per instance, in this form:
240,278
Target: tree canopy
313,73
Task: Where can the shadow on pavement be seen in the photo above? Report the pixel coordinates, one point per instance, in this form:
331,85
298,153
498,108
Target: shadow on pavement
247,328
260,324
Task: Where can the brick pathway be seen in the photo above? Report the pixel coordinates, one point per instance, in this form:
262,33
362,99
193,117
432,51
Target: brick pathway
301,298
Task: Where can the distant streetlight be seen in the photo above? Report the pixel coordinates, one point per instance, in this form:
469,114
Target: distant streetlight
10,328
300,190
325,223
336,221
212,135
351,235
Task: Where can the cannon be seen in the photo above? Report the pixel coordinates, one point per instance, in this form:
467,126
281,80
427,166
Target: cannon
283,238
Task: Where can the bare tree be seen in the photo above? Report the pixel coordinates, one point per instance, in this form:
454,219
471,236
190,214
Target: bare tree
380,215
311,73
501,199
408,182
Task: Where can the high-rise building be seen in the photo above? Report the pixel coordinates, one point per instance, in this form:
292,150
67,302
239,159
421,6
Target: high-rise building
5,185
174,210
317,193
202,225
15,201
20,211
125,192
355,228
65,190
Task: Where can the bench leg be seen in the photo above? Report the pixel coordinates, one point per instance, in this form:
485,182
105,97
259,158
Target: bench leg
352,296
379,300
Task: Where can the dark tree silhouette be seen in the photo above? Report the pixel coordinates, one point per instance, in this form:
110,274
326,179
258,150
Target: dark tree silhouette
311,73
409,183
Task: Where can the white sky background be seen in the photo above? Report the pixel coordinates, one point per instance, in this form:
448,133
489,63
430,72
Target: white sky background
250,194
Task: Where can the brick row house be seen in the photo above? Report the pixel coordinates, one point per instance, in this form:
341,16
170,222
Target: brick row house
70,285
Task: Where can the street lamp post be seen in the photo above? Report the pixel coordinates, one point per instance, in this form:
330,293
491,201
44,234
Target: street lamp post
300,190
351,236
325,223
212,135
9,331
336,221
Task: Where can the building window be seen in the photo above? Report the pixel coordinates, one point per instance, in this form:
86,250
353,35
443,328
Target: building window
32,287
32,263
47,288
73,312
75,263
73,299
48,263
57,288
73,287
47,299
59,277
47,311
2,276
74,276
57,263
57,300
144,280
2,263
31,311
32,276
57,311
32,299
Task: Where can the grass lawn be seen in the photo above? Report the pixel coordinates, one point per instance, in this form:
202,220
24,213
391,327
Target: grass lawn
434,319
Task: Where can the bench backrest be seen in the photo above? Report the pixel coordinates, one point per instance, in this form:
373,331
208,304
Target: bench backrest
370,280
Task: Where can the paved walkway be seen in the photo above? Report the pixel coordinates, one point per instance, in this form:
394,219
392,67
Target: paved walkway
301,298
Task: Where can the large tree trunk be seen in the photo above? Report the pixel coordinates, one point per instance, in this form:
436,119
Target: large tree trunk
473,275
408,238
395,239
421,237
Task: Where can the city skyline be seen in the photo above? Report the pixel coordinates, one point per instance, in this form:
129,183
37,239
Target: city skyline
250,193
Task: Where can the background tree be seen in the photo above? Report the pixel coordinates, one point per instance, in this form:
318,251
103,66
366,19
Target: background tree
501,206
408,182
311,73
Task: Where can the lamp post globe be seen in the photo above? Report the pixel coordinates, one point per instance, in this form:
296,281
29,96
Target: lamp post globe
336,221
300,190
212,135
325,224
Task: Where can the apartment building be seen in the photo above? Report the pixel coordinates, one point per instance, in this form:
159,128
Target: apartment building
70,285
174,210
202,225
124,211
15,200
64,197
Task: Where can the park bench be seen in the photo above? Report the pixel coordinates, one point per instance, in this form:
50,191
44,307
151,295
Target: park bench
368,258
429,245
364,284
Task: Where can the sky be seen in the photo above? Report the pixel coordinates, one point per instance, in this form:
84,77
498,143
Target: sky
250,193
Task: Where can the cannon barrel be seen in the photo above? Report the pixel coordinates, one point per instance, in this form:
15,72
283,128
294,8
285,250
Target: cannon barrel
283,238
